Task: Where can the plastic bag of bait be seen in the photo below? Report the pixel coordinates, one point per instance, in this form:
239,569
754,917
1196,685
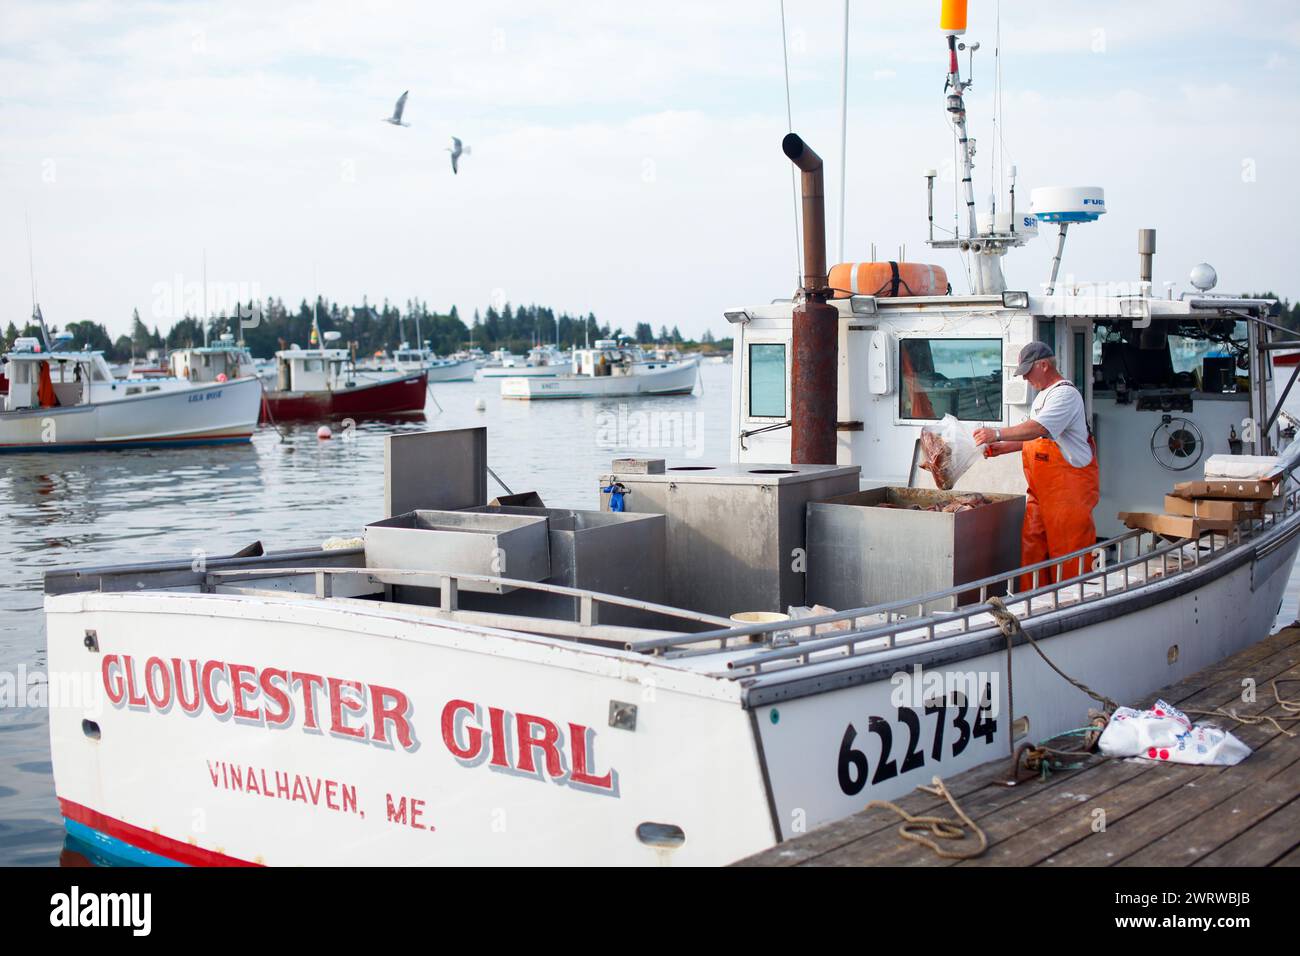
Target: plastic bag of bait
1165,733
947,451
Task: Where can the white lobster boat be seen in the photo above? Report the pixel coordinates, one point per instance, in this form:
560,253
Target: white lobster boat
542,361
509,683
609,370
65,400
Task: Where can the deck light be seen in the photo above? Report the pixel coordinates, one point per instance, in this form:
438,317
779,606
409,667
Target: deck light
1015,300
863,304
740,316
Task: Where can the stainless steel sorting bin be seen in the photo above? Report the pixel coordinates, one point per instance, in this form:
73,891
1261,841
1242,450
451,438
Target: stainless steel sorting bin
860,554
735,531
612,553
499,545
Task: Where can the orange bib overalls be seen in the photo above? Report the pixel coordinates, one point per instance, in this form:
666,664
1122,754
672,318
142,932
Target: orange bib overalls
1058,510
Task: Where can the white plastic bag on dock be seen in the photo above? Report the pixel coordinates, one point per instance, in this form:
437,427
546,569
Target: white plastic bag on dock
947,451
1165,733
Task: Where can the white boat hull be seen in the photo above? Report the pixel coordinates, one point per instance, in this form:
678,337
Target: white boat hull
676,379
737,765
462,371
525,371
217,413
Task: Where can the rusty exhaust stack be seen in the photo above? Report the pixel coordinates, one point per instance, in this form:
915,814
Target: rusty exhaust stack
813,372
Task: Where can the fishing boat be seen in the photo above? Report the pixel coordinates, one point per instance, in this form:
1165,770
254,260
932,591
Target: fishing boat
702,659
407,360
501,358
612,369
320,383
542,361
61,399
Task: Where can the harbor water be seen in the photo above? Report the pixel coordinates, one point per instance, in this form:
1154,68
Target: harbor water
287,489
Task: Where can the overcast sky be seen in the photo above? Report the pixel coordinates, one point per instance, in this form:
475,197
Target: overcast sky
625,157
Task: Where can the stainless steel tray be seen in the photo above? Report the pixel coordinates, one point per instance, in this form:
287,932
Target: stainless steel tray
500,545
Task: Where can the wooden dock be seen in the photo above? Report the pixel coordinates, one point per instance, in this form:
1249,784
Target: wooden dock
1155,814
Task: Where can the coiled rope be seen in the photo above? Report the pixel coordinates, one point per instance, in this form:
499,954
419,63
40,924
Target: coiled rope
915,828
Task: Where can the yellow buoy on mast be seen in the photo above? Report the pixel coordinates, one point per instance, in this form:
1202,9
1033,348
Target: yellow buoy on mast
952,17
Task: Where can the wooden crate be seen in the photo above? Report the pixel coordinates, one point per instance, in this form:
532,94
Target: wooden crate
1217,508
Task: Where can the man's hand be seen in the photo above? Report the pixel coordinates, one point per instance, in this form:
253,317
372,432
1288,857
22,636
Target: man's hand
985,436
993,449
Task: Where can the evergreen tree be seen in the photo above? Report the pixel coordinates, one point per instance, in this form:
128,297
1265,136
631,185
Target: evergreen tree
139,334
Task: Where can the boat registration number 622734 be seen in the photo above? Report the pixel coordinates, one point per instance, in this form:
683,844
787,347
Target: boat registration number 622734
953,725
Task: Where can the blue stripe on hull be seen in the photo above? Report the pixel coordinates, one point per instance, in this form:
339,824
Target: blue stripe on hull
105,850
113,446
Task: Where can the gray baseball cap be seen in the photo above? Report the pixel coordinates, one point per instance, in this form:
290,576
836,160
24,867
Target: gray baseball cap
1031,353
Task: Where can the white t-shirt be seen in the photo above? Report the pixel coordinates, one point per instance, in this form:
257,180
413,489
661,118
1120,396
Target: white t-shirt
1059,408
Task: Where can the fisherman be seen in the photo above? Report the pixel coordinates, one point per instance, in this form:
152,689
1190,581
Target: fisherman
1060,462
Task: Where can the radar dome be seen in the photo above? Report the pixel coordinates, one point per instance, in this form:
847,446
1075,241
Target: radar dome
1204,277
1068,203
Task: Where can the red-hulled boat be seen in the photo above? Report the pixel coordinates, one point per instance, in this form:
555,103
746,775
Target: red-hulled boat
319,383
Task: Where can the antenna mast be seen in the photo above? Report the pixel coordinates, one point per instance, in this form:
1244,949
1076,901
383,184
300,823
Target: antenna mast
204,319
844,127
36,306
988,247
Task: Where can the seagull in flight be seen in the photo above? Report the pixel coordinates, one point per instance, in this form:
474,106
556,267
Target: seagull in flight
457,149
396,118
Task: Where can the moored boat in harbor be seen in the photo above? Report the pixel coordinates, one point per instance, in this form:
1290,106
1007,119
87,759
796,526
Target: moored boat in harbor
60,399
611,369
542,361
320,383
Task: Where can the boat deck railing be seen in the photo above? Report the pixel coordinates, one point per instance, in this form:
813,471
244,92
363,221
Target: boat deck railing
1121,564
907,622
448,585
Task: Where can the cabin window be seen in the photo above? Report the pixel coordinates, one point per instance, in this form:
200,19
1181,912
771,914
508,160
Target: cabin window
960,377
1195,355
312,365
767,381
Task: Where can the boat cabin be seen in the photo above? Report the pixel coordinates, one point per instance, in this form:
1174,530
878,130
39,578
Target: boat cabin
607,357
222,362
313,370
408,359
41,379
1168,382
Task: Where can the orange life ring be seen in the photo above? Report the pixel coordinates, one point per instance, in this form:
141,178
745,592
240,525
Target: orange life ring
887,279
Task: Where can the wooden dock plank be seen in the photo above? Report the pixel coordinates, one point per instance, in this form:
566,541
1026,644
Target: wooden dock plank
1203,834
1161,801
1263,844
1145,802
1199,789
1044,831
1291,859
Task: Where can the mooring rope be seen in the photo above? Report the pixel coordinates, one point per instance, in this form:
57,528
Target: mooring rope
1009,624
940,828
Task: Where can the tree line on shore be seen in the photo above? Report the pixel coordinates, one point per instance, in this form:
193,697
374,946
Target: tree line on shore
268,326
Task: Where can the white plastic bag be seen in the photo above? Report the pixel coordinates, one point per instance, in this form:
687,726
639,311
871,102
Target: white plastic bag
947,451
1165,733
